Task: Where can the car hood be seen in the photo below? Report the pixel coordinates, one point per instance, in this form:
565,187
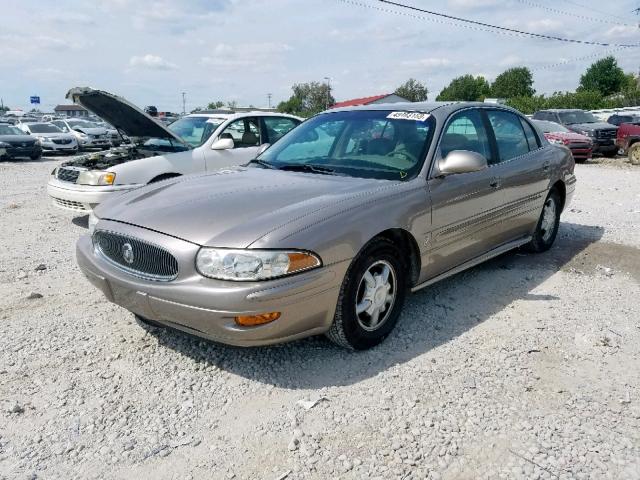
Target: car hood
120,113
17,139
92,131
233,208
568,136
591,126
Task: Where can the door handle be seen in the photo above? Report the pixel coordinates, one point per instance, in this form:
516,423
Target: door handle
495,182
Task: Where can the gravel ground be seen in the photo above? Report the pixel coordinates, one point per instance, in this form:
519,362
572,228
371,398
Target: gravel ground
524,367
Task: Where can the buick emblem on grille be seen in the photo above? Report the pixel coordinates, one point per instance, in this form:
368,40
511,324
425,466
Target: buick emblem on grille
127,253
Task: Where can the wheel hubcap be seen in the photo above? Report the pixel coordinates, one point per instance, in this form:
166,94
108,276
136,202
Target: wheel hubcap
376,295
548,219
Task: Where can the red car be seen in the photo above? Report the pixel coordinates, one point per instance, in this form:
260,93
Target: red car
581,146
628,141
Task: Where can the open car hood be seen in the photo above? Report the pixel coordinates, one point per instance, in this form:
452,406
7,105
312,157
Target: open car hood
123,115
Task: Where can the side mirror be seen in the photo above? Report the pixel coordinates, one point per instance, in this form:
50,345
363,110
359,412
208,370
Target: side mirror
223,144
263,147
462,161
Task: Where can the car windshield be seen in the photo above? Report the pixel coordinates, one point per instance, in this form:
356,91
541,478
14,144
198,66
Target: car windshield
549,127
578,116
10,130
361,143
44,128
194,130
81,123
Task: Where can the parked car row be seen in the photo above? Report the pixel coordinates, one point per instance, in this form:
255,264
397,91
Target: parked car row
320,227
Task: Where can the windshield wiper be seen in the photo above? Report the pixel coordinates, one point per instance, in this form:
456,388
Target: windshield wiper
261,163
306,167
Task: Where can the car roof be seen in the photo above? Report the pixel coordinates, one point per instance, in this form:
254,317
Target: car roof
443,108
235,115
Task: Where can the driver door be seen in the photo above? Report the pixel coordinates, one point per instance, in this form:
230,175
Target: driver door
247,138
464,206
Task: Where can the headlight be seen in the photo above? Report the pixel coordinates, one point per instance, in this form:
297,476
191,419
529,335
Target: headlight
93,220
44,139
96,177
251,265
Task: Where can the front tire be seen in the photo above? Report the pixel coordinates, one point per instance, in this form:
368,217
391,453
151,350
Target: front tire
371,298
547,227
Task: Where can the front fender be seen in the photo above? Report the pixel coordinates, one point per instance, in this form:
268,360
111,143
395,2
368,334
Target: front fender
338,234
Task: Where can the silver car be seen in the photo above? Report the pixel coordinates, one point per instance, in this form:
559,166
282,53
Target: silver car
329,229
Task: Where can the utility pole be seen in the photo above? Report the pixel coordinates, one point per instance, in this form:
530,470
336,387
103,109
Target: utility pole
269,99
184,111
328,79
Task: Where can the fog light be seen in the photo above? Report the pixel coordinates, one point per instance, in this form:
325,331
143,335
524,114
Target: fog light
252,320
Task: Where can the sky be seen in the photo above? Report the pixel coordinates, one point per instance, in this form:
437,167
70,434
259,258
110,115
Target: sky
241,50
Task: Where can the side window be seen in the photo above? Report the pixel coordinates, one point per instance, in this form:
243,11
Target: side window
466,131
60,125
278,126
245,132
510,136
532,138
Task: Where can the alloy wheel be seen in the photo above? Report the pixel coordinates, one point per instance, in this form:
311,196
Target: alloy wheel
376,295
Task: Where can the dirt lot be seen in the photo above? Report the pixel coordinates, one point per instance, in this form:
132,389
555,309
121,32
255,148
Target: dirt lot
525,367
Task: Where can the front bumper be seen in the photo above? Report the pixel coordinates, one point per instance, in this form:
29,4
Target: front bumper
206,307
581,153
82,198
604,145
55,147
17,152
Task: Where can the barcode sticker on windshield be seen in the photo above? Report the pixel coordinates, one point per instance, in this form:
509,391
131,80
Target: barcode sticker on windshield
416,116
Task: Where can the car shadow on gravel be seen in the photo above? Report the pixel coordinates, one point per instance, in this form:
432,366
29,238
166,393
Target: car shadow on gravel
81,221
431,318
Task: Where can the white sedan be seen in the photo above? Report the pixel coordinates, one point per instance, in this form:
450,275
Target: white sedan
196,143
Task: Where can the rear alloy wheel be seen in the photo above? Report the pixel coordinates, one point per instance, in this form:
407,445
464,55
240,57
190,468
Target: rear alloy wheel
371,297
548,224
634,154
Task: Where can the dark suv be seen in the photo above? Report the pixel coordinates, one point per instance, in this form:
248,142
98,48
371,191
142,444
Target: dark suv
617,119
603,134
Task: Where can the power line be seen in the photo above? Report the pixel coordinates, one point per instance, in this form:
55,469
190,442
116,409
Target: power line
485,26
582,5
571,14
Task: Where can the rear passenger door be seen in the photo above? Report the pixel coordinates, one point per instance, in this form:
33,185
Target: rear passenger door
524,171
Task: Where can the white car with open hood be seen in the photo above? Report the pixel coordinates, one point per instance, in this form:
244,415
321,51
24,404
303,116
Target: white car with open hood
200,142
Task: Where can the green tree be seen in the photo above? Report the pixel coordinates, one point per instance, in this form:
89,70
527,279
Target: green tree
514,82
604,76
215,105
307,99
413,90
465,88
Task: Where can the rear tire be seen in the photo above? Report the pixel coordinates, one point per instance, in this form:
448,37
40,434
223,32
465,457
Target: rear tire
35,156
548,224
371,298
634,154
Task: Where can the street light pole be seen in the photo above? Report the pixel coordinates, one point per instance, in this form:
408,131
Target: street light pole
328,79
184,111
269,98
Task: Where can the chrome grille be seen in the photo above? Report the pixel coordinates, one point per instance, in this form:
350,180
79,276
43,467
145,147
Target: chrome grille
68,174
606,133
147,260
62,141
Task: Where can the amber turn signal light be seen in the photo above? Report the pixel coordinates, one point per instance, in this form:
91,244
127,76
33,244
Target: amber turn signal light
253,320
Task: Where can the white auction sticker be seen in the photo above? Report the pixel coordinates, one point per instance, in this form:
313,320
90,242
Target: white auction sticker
417,116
